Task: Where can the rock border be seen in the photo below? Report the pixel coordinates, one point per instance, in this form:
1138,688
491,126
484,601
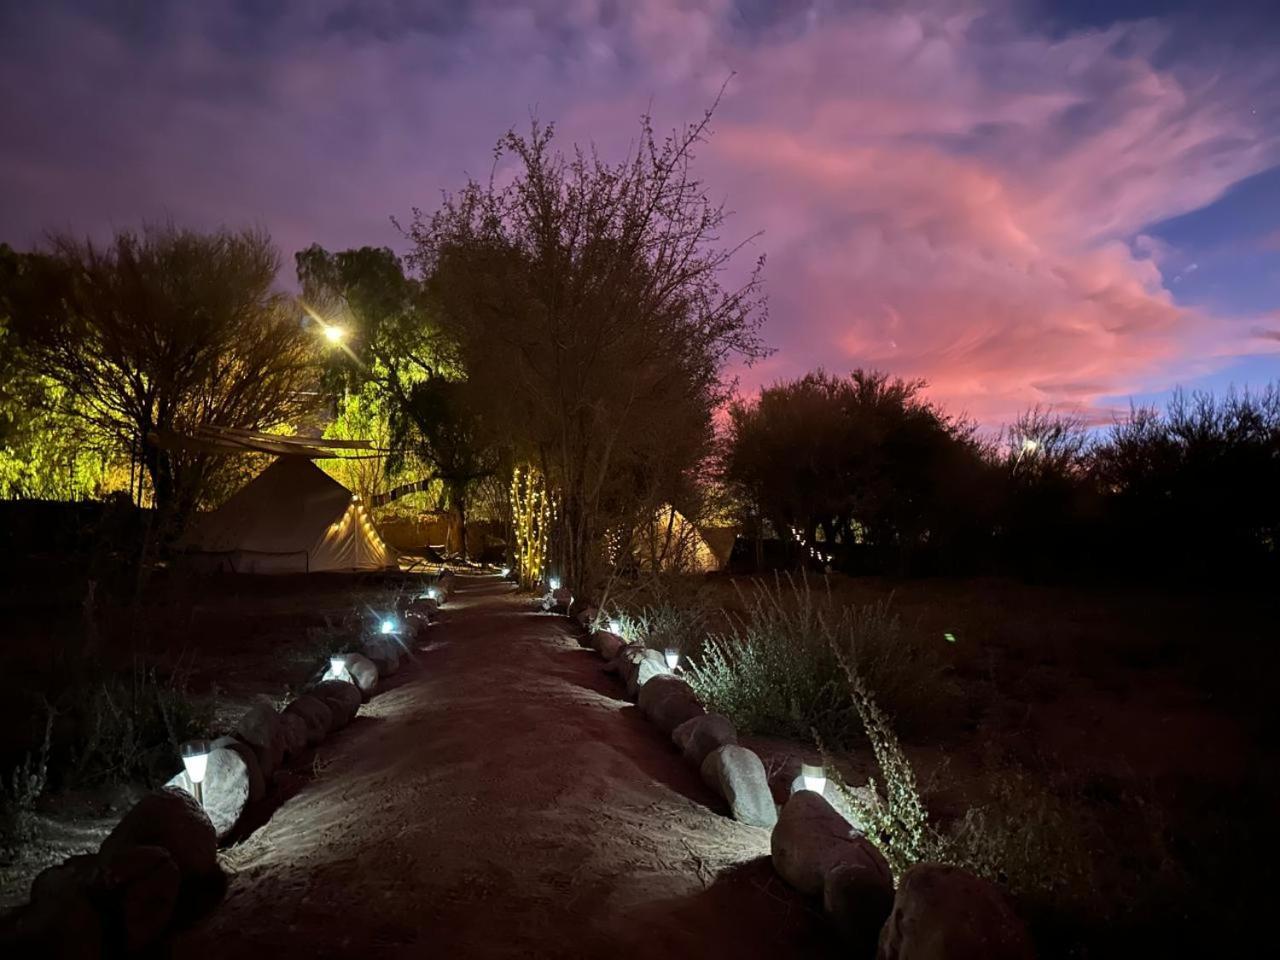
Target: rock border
162,856
935,911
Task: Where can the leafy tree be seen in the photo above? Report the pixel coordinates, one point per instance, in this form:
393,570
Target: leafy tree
392,347
158,332
585,303
864,459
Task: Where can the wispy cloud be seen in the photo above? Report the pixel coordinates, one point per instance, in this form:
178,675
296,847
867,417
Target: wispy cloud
944,193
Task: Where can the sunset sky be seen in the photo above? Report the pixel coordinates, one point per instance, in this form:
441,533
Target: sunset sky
1064,203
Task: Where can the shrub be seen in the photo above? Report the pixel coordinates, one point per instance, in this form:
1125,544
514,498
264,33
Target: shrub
133,726
665,625
778,667
19,792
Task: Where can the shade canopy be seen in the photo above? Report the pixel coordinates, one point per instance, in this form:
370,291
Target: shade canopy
292,518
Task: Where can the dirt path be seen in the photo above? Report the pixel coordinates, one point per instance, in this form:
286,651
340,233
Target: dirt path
499,799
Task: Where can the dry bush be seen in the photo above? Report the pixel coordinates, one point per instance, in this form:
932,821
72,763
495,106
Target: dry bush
777,668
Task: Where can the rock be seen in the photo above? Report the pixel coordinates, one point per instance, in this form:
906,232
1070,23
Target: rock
142,884
295,734
257,782
668,701
384,651
811,838
316,714
422,610
652,665
361,670
561,599
606,644
945,912
78,875
172,819
857,897
586,616
261,729
737,774
228,785
67,926
698,737
342,697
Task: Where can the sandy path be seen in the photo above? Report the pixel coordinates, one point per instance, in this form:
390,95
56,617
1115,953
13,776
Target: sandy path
499,799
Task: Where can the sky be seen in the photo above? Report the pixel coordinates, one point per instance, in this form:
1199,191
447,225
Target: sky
1071,204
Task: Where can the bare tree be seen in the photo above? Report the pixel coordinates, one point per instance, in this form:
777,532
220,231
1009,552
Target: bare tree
586,303
159,331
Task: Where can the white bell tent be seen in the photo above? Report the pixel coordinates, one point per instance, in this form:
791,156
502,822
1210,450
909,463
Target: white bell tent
292,518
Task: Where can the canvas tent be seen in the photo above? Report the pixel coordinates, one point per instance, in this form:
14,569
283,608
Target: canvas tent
291,518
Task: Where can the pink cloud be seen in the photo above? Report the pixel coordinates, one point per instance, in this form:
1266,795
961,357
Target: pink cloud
939,199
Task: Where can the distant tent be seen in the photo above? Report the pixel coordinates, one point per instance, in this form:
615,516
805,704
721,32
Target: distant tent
675,544
291,518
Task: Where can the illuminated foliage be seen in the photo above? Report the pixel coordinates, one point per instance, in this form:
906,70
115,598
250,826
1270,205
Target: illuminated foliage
157,332
532,513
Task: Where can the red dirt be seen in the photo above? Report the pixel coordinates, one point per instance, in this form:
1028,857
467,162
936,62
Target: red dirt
498,798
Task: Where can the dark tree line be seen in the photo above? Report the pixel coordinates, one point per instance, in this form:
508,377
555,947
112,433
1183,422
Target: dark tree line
873,476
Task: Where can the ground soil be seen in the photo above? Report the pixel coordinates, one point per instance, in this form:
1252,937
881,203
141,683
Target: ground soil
499,798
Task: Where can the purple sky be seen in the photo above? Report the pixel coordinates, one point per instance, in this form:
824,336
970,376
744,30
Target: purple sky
1071,204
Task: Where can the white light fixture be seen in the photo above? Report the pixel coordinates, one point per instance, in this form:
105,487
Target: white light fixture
673,657
387,626
506,571
338,668
433,593
195,759
615,627
553,583
814,777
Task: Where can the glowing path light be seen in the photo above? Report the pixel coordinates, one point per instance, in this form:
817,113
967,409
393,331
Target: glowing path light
553,583
195,759
814,777
673,657
387,626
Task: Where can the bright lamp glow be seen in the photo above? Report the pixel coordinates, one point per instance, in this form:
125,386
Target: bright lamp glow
506,571
387,626
673,657
433,593
195,760
815,778
337,666
553,583
615,627
335,334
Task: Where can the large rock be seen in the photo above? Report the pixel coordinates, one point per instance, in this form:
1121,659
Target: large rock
945,913
811,838
315,713
606,644
168,818
698,737
384,650
295,734
857,897
257,782
651,664
261,729
228,785
341,696
142,890
62,920
668,701
361,671
737,774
